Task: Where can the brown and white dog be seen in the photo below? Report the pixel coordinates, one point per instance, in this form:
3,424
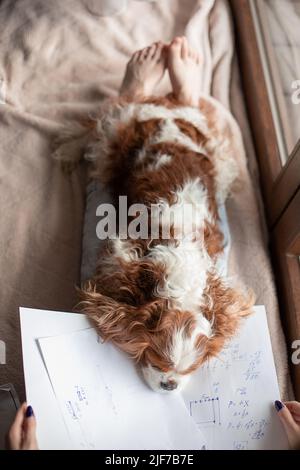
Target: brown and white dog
161,300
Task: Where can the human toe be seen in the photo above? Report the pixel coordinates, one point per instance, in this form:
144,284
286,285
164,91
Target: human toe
144,54
159,50
174,50
184,48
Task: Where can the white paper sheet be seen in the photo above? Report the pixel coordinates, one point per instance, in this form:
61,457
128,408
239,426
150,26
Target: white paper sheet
51,430
232,398
105,403
244,372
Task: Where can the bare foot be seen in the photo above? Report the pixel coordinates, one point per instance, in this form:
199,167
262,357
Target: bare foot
184,69
144,70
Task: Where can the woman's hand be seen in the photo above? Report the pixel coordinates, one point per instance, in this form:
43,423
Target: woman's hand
289,414
21,435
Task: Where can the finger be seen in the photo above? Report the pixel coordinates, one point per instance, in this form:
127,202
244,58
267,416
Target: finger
290,426
17,423
29,431
293,406
15,433
296,417
285,415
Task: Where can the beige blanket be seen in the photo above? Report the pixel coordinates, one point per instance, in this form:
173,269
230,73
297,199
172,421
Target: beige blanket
57,60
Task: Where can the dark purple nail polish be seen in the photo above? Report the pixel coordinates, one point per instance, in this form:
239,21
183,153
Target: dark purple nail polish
278,405
29,412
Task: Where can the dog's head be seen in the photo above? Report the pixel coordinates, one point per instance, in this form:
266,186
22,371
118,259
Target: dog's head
168,343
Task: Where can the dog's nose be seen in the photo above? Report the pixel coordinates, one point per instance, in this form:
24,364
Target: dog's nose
170,385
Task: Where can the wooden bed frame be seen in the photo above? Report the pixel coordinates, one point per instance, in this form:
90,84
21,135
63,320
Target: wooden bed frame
280,183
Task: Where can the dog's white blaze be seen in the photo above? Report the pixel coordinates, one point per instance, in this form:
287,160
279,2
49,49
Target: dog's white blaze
183,352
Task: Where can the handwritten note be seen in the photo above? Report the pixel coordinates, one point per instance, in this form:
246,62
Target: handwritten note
231,398
104,402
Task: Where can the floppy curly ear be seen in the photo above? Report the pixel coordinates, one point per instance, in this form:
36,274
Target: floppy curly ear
224,307
115,321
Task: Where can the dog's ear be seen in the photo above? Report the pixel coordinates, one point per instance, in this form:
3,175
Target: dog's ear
225,307
126,325
123,306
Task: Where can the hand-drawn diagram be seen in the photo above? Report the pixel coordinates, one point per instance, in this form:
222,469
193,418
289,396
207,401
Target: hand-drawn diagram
232,397
206,411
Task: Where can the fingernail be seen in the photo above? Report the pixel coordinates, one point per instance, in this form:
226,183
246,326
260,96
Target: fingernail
29,412
278,405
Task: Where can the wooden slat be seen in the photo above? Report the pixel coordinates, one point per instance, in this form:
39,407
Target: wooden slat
286,185
257,100
285,244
